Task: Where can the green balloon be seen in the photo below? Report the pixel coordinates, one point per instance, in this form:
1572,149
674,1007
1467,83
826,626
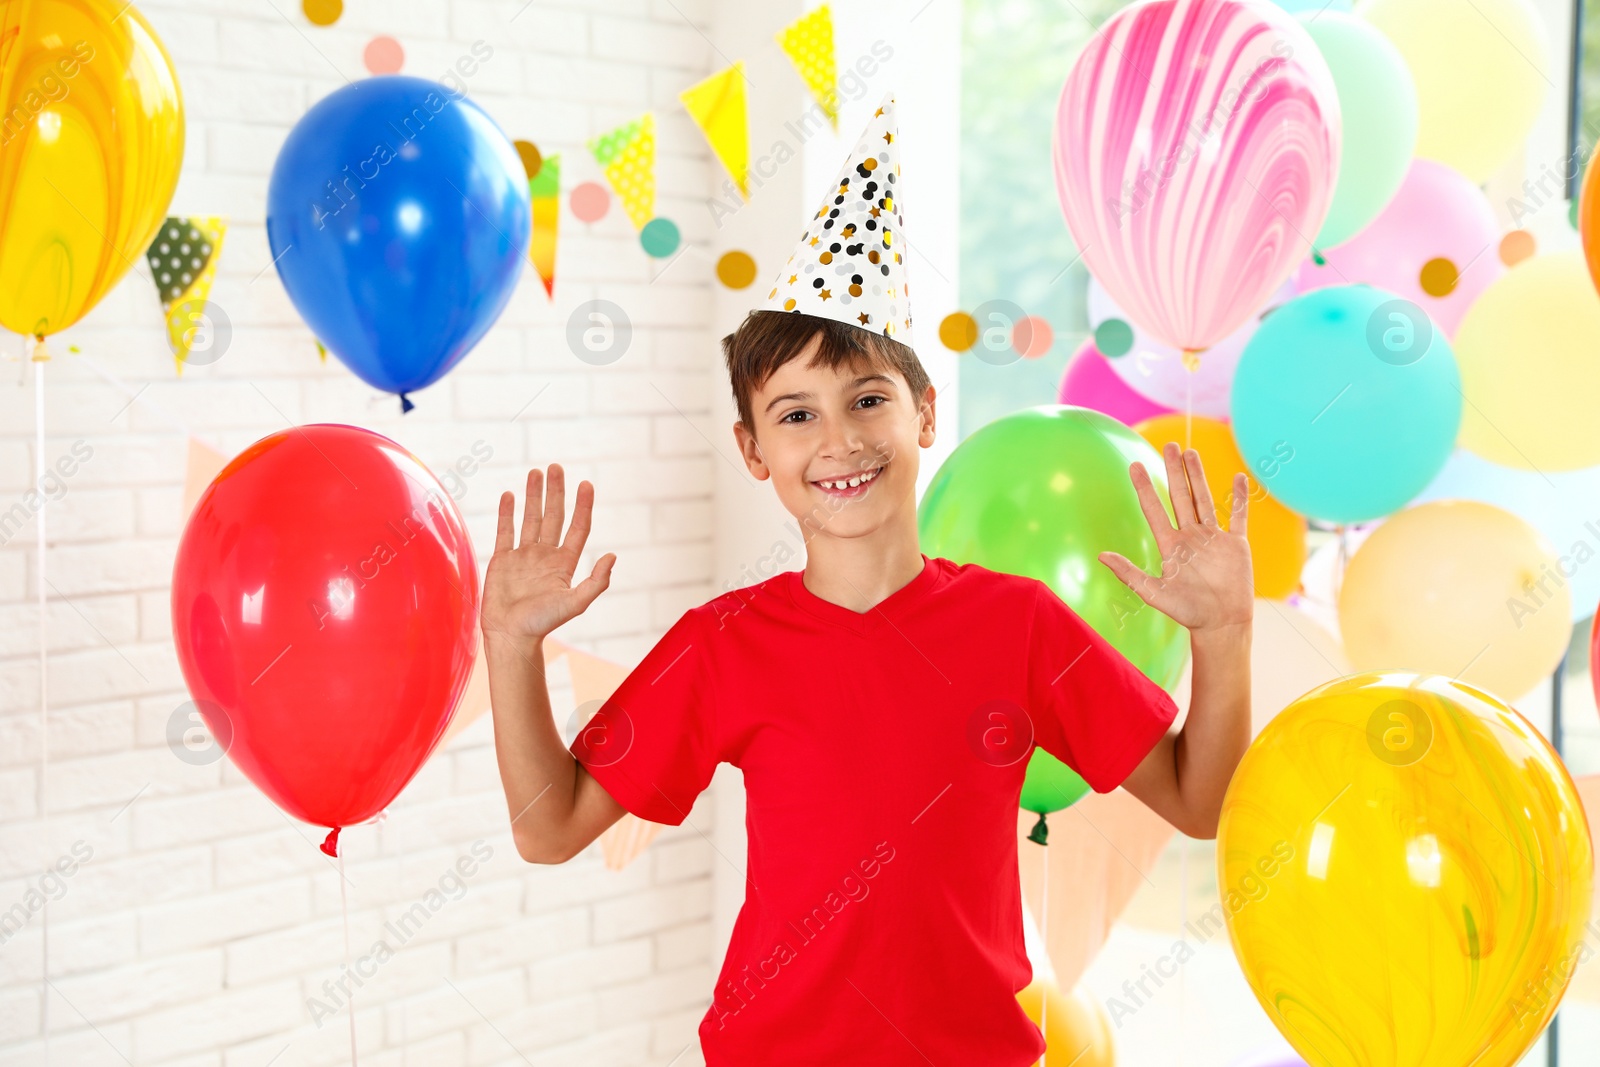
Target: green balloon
1042,493
1378,109
1050,785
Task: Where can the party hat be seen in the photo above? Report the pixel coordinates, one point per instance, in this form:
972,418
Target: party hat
848,266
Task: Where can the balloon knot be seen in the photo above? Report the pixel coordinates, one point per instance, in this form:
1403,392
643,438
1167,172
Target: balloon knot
1316,257
330,844
1040,834
1191,359
405,404
41,354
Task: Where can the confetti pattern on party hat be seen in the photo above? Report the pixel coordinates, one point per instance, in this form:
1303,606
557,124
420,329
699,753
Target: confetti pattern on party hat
628,154
183,262
848,265
808,42
545,190
717,106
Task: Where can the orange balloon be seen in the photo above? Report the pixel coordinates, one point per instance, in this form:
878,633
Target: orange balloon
1277,535
1077,1031
1589,218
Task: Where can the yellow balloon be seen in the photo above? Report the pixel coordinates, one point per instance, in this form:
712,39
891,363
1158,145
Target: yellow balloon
1457,588
1526,350
93,129
1481,71
1406,872
1077,1031
1277,535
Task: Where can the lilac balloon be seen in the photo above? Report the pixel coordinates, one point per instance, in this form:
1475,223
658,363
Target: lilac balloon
1157,371
1437,214
1091,383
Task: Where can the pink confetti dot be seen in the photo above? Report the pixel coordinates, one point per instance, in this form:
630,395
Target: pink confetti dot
383,55
590,201
1032,337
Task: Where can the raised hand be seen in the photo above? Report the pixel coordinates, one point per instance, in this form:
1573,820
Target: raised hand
1205,581
528,589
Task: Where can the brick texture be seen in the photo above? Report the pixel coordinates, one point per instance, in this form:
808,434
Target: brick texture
199,925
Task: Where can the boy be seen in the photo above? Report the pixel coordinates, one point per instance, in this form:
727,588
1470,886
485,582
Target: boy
882,923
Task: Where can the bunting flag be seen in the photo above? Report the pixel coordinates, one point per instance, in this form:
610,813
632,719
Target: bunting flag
183,261
808,42
717,107
1092,880
545,189
628,154
593,679
204,464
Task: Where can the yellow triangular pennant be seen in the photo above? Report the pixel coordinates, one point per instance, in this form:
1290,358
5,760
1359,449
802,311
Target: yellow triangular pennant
628,154
545,190
183,262
717,107
808,42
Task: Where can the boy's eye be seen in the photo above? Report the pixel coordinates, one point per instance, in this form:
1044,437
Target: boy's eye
877,400
796,416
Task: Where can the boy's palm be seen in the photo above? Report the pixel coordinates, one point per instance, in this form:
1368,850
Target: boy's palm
1206,578
528,589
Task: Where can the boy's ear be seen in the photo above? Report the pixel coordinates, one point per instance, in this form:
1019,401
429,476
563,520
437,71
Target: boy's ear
926,414
750,451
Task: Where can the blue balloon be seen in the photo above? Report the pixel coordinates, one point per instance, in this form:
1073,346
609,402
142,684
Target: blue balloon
1562,505
398,217
1346,403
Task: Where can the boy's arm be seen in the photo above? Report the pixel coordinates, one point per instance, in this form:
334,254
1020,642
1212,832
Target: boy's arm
556,808
1206,585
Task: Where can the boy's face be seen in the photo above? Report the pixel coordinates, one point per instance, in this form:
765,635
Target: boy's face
819,429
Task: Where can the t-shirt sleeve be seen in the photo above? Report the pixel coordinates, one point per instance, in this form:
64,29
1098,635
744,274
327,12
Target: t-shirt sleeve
1091,707
652,745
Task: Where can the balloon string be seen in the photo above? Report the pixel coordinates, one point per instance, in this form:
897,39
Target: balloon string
44,697
344,909
1343,561
1044,936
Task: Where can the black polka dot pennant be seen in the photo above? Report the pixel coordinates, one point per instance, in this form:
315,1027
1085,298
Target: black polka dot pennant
183,264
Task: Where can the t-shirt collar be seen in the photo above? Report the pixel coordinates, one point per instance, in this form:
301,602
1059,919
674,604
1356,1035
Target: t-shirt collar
893,604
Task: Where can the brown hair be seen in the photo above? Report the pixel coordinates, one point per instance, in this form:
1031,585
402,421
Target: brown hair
766,340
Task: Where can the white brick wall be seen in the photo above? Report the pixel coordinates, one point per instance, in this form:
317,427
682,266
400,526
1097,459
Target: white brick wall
204,921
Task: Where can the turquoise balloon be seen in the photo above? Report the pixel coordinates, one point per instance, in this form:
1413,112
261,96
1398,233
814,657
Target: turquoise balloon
1346,403
1042,493
1378,109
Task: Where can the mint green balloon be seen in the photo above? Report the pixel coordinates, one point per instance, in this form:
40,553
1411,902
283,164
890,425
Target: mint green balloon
1042,493
1378,107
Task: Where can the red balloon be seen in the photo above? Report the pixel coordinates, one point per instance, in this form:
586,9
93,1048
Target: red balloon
324,605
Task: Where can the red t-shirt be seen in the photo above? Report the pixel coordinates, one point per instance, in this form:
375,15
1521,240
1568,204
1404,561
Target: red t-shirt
883,757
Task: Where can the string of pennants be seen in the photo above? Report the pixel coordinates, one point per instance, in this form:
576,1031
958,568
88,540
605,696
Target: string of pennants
183,256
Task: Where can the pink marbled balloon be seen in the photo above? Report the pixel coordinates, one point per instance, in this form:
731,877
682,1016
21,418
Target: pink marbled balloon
1196,146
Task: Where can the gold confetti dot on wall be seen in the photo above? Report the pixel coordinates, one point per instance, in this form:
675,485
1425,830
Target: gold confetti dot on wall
959,331
531,157
1439,277
1517,246
323,12
736,270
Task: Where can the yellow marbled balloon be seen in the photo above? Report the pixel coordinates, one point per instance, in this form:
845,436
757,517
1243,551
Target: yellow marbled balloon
1406,873
91,121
